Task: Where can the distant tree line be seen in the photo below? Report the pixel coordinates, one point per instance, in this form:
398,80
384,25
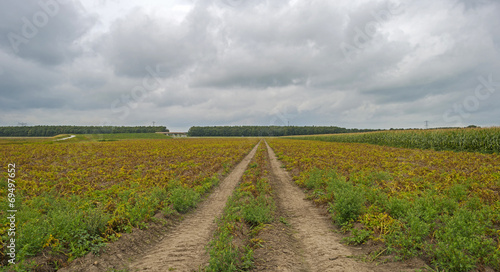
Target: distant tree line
48,131
269,130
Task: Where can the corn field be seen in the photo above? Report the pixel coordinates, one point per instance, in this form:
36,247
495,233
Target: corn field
484,140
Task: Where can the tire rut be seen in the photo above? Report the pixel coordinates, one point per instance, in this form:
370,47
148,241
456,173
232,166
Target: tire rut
321,247
183,249
280,251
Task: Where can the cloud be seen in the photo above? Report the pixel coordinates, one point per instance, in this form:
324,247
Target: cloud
139,40
45,31
317,62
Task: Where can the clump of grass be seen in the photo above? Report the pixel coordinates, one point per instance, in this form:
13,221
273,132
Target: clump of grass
348,200
358,236
183,199
258,211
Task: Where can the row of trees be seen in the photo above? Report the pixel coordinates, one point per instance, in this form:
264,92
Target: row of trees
268,130
49,131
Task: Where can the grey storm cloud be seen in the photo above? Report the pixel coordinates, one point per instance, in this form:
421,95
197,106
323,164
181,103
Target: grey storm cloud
38,36
316,62
138,40
44,31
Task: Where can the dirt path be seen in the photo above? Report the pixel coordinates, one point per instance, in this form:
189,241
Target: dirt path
322,248
280,249
66,138
183,249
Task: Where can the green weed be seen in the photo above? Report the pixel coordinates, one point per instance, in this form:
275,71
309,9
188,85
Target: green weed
348,200
462,243
258,211
358,236
183,199
284,221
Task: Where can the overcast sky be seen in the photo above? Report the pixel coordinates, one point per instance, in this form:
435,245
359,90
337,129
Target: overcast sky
180,63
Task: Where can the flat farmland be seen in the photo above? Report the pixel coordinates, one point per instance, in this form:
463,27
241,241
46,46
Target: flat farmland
443,206
246,204
72,198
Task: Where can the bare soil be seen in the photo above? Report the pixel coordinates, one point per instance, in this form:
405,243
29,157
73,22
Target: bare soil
281,251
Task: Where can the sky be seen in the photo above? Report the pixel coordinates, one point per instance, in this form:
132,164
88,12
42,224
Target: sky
182,63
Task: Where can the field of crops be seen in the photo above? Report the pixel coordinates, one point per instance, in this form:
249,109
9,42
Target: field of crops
485,140
71,198
440,206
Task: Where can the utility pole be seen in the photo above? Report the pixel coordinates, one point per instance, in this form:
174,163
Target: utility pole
21,124
153,123
426,124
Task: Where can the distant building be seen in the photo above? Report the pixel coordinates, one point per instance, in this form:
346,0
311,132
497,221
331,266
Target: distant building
174,134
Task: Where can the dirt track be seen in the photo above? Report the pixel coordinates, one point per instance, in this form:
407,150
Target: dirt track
322,248
183,249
